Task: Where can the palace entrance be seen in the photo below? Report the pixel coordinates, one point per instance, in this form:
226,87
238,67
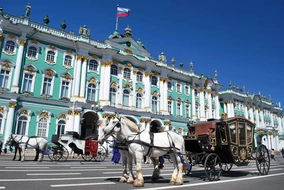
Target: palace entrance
89,126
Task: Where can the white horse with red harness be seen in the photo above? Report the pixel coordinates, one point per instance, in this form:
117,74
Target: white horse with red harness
141,144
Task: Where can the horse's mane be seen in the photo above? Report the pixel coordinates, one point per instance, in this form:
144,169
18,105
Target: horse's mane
132,126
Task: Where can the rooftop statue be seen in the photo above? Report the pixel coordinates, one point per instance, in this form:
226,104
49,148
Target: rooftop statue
28,10
162,58
191,66
84,31
215,75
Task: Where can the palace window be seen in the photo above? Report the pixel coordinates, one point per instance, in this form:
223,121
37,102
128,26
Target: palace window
68,60
178,88
155,104
139,77
125,101
139,100
64,89
186,90
32,52
42,127
196,92
154,81
113,70
4,78
61,128
112,96
126,73
10,46
1,122
28,82
179,109
170,107
22,125
91,92
50,56
93,65
187,111
47,86
169,86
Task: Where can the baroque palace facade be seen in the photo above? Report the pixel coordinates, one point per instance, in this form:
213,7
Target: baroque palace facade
53,81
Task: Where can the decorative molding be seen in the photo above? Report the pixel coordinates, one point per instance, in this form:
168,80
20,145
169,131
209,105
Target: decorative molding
148,74
70,51
12,104
134,72
85,58
22,42
12,36
53,47
106,63
128,64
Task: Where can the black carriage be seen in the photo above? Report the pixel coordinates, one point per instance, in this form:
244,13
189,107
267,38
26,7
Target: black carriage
218,144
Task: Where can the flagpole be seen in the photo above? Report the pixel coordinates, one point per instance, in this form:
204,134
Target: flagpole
116,24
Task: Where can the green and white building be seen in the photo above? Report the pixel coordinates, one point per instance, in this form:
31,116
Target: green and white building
53,81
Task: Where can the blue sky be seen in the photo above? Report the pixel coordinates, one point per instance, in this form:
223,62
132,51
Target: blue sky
242,39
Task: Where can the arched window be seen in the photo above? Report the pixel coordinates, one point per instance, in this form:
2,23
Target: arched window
50,56
139,100
154,80
170,107
4,78
61,127
10,46
186,90
42,127
169,86
178,88
93,65
32,51
91,93
139,77
22,125
113,70
126,73
154,104
1,121
112,96
179,109
68,60
125,101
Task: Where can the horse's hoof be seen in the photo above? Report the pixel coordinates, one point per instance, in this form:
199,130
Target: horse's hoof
172,182
130,180
138,183
122,180
179,182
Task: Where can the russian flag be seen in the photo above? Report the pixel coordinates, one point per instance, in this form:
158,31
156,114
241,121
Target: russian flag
122,12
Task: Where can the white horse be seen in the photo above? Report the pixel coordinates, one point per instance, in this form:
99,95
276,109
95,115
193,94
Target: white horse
125,155
24,142
140,144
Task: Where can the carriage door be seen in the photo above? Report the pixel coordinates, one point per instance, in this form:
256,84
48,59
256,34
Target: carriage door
89,126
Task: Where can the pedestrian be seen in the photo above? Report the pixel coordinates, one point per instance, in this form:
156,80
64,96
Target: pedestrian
282,152
116,153
1,144
272,154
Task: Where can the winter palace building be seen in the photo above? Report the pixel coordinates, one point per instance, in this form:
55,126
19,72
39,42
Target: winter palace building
53,81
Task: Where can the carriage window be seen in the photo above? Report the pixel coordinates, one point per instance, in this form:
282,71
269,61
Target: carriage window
223,134
249,134
233,133
242,134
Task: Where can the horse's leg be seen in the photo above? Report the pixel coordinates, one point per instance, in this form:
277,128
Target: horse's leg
15,154
130,167
156,172
179,179
124,176
174,175
23,151
20,153
139,181
37,154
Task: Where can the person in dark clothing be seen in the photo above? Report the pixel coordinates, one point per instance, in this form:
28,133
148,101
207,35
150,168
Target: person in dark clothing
282,152
116,154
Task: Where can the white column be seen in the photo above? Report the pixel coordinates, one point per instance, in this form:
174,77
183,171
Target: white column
246,111
194,116
257,118
251,114
164,96
134,92
121,88
225,108
76,126
147,90
217,106
83,77
77,75
232,109
272,119
18,68
262,119
105,82
209,98
10,120
202,106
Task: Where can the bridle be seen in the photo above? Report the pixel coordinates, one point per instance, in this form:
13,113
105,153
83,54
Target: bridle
12,139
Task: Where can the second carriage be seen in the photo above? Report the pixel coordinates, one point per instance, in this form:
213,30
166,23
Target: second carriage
218,144
62,147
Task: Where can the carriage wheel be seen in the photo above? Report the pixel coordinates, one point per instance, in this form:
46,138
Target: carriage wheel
213,167
262,159
57,153
102,154
87,157
51,151
64,153
226,167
